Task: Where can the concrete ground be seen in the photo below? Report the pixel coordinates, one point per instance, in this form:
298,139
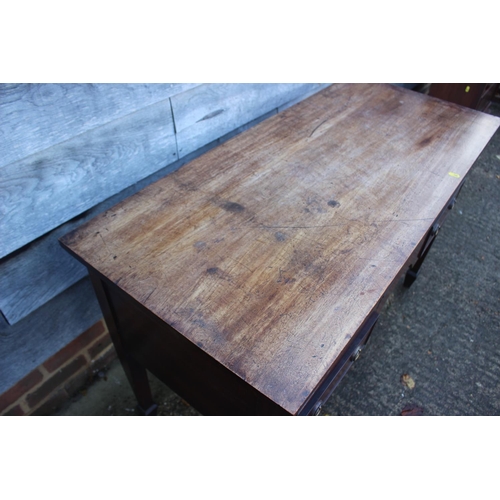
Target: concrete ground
436,347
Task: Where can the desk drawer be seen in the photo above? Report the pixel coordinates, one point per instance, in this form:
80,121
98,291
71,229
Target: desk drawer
350,354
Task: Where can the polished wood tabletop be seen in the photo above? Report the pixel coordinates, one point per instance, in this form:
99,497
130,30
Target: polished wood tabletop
271,250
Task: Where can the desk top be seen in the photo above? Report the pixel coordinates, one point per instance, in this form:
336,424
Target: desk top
269,251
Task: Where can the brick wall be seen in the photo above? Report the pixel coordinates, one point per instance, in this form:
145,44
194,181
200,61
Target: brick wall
61,376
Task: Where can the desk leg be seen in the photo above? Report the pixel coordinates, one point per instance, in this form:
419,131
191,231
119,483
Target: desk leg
136,374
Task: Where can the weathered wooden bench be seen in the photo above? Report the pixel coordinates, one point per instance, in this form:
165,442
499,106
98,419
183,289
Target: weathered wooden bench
250,279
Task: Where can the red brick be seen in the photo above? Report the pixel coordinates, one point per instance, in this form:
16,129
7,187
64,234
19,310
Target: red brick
16,411
20,389
56,400
99,346
55,381
74,347
105,359
76,382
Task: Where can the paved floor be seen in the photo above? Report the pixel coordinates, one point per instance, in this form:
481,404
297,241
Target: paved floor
436,347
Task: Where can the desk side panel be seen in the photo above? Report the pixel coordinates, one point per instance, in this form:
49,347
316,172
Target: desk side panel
195,376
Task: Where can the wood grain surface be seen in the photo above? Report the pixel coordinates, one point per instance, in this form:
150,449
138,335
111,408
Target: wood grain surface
37,273
38,116
269,251
209,111
48,188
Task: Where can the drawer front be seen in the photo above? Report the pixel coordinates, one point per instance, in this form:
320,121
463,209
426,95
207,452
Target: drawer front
350,354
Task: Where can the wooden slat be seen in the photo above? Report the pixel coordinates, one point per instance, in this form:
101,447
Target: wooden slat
31,341
270,251
35,275
212,110
46,189
38,116
314,89
32,277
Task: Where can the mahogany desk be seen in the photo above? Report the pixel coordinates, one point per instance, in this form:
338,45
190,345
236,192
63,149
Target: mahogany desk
249,280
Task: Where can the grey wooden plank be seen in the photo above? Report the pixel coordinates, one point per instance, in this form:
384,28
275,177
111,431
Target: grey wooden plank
210,111
316,88
38,116
30,342
32,277
45,190
36,274
40,271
